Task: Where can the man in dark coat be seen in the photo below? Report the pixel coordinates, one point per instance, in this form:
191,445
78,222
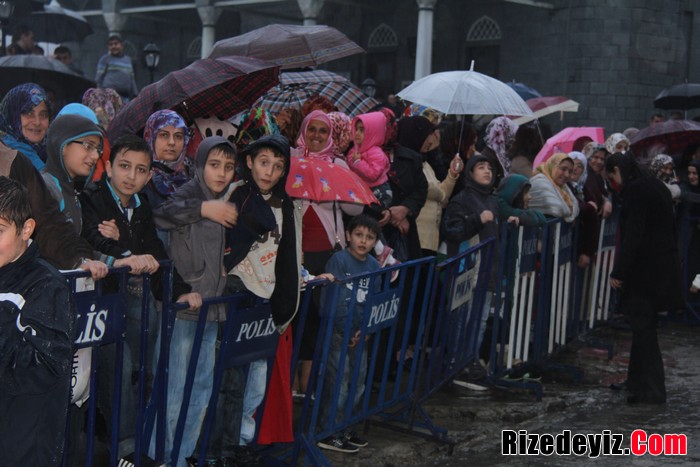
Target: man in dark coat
647,271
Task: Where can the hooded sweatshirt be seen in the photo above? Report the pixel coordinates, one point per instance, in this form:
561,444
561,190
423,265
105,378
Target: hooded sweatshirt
196,244
61,185
510,188
373,164
256,222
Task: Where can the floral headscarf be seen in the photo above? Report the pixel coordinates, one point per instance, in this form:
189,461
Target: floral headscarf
548,168
657,165
342,132
255,123
581,157
327,152
500,133
105,102
613,140
167,175
417,110
19,100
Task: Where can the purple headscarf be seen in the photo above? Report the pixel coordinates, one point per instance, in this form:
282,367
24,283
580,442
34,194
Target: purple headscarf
499,134
167,175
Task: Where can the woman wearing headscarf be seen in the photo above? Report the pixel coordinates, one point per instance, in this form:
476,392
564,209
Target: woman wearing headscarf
662,168
500,134
166,133
550,193
646,271
322,227
617,142
24,120
588,219
105,103
689,215
595,188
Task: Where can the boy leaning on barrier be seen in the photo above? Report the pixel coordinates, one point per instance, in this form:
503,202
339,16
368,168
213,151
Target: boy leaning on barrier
36,340
361,234
263,257
196,217
115,201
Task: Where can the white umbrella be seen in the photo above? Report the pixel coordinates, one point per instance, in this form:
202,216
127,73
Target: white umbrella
465,93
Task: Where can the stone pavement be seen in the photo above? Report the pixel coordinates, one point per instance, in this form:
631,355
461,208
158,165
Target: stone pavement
475,419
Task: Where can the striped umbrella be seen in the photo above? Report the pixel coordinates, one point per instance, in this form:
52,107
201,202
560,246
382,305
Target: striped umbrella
219,87
296,87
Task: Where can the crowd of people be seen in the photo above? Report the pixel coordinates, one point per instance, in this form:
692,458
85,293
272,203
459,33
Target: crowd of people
218,207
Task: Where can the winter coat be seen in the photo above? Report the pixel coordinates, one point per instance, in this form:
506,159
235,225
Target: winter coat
373,165
410,189
647,261
136,236
56,238
196,244
462,220
36,352
428,221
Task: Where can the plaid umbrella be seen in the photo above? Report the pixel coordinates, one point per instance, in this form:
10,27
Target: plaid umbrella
671,137
289,46
296,87
222,87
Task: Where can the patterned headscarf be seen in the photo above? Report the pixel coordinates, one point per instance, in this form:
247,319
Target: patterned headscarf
325,153
581,157
167,175
105,102
19,100
255,123
613,140
317,102
500,133
657,165
417,110
342,132
548,168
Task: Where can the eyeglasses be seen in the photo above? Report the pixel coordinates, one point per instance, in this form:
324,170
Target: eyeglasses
89,147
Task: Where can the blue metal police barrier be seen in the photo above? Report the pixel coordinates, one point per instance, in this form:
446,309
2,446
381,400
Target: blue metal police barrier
249,335
100,321
368,327
458,295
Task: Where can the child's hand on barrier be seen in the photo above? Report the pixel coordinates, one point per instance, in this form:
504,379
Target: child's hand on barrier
220,211
326,275
514,220
193,299
109,229
486,216
97,269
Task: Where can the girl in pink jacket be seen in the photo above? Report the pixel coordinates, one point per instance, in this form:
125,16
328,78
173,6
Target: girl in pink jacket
366,157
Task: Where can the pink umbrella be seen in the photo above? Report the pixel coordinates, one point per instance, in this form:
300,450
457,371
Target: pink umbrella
565,139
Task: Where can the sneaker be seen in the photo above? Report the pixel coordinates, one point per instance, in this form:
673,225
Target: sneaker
352,439
471,386
338,444
130,461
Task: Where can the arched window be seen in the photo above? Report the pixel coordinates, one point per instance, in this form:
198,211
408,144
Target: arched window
382,38
484,29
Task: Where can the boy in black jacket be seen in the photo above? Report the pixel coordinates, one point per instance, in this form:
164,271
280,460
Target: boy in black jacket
116,199
36,340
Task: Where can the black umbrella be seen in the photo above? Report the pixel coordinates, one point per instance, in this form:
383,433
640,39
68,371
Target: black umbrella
684,96
50,74
56,24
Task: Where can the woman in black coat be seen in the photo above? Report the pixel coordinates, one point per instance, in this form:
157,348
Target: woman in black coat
646,271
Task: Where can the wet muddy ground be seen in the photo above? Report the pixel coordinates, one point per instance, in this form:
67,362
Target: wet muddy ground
475,420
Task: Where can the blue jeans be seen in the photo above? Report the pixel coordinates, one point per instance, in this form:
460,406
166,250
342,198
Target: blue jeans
180,351
332,365
252,397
